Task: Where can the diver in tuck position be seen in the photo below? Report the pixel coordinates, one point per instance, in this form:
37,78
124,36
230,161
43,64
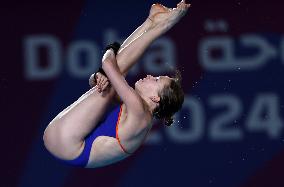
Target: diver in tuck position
85,134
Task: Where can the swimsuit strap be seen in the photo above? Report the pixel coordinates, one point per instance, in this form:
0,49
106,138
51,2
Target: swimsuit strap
117,133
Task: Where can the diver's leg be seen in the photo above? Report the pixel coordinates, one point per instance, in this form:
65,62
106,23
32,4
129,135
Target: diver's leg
155,8
123,63
64,136
160,20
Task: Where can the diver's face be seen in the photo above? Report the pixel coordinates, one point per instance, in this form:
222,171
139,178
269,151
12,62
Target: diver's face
151,86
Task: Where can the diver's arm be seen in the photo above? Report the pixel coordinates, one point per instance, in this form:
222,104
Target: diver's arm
118,82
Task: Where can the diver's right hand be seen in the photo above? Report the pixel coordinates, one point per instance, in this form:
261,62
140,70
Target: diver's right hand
100,80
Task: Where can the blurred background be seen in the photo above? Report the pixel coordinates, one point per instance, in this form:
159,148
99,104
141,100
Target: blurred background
229,132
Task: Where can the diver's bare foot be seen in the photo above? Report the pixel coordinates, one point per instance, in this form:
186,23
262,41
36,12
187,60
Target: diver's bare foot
157,9
167,17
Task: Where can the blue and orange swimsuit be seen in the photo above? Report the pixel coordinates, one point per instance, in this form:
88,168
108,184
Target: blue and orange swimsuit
108,127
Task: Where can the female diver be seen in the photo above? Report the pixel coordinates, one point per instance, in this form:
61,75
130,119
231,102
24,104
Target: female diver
85,134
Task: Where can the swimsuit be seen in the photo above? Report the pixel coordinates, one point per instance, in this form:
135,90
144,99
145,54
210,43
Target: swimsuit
108,127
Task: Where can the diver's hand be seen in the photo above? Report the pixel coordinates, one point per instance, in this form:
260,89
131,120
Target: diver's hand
100,80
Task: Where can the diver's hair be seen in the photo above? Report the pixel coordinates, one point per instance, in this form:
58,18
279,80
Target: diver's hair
171,100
